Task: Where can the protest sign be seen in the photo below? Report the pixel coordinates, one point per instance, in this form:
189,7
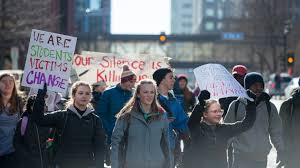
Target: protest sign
218,81
93,66
49,60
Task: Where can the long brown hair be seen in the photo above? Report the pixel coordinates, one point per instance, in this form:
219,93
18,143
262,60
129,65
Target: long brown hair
133,102
15,99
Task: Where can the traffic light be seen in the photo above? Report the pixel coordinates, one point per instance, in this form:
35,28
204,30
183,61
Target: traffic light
162,38
290,59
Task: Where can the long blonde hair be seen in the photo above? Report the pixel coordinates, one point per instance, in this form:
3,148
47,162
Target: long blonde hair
133,102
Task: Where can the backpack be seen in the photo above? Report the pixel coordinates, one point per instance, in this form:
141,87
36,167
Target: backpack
268,104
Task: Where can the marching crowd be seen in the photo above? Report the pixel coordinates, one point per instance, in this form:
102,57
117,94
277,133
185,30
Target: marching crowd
143,125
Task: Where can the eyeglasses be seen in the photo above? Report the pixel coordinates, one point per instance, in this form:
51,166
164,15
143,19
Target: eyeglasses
217,111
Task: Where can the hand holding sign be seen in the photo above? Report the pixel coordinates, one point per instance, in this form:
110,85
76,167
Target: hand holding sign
218,82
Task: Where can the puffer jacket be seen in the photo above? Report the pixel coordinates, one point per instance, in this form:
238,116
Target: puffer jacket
147,142
290,116
80,138
208,144
111,102
30,145
255,143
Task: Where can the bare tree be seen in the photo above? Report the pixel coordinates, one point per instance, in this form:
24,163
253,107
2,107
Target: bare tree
263,23
19,17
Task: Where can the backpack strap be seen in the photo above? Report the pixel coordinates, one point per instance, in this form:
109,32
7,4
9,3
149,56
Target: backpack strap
236,106
268,104
24,123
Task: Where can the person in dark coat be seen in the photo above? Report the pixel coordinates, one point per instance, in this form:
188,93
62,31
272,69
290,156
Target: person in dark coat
209,137
184,93
30,139
79,139
98,89
11,108
290,116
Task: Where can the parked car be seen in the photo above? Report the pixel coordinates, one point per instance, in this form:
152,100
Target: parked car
291,87
285,79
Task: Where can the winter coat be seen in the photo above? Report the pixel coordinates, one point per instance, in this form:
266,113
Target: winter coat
30,146
208,144
187,102
225,102
254,143
180,118
96,100
147,142
111,102
290,116
80,138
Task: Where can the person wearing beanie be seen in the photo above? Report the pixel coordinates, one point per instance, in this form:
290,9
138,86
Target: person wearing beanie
177,117
252,147
290,121
112,101
183,93
238,72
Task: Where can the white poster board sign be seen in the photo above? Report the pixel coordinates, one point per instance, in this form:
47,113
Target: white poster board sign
93,66
218,81
49,60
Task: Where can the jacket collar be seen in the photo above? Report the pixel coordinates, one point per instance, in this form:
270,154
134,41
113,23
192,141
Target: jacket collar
87,111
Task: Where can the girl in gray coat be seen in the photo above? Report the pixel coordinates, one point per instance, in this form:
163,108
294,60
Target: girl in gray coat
140,136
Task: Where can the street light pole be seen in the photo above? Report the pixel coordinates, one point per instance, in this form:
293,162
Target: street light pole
87,27
286,31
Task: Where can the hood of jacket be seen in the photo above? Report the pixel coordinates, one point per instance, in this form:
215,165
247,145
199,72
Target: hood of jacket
87,111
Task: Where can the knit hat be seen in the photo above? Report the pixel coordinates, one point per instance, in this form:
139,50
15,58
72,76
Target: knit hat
127,74
252,78
182,76
240,70
99,83
160,74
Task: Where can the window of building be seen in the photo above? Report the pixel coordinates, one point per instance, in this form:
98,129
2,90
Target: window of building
209,26
187,5
210,12
220,14
219,25
186,16
210,0
187,24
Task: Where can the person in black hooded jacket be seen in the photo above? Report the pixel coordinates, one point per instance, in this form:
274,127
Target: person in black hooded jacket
290,116
30,139
208,144
79,139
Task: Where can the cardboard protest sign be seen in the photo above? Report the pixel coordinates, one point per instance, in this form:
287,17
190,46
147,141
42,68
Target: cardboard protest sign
93,66
218,81
49,60
51,99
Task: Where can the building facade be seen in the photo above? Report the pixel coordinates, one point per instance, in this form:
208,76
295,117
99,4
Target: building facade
181,16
